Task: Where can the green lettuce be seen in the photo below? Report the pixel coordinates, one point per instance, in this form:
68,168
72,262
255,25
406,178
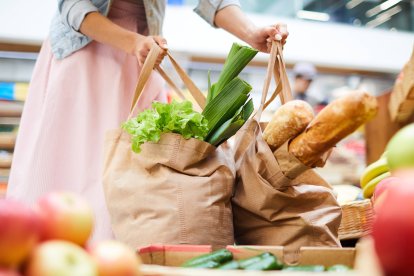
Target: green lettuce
165,118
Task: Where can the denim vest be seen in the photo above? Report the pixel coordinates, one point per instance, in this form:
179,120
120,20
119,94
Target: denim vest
65,37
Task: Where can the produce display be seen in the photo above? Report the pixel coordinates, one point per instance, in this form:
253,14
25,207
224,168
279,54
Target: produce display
52,239
223,260
228,108
374,174
395,163
393,226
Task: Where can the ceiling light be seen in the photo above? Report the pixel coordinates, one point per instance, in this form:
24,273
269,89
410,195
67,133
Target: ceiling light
382,7
318,16
353,3
383,17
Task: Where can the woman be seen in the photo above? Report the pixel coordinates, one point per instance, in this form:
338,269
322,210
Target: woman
82,86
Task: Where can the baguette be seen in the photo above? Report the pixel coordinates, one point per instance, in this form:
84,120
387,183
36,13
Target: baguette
289,121
336,121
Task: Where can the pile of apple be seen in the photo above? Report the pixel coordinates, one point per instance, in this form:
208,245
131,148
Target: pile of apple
51,239
393,227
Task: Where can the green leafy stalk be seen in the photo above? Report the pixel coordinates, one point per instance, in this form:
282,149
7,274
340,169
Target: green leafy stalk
165,118
209,94
226,104
230,127
237,59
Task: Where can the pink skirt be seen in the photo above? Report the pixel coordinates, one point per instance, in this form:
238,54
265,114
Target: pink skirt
71,104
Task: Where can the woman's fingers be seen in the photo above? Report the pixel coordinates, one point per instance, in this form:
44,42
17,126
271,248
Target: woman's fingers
281,32
162,42
145,46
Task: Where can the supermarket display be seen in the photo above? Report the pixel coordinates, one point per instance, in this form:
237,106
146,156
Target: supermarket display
223,260
393,228
53,239
233,176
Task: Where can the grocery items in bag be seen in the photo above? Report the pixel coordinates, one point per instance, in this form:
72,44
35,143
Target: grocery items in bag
288,121
333,123
227,109
189,178
277,200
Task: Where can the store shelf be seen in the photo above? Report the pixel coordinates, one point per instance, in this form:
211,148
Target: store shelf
7,140
5,159
11,109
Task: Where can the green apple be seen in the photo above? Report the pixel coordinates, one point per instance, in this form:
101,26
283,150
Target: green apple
400,149
60,258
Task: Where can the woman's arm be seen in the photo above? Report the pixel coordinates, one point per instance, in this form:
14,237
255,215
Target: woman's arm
233,20
103,30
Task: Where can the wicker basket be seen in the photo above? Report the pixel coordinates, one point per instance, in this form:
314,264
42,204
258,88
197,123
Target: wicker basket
357,217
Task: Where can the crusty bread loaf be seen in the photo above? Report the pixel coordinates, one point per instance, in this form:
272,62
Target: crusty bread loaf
288,122
336,121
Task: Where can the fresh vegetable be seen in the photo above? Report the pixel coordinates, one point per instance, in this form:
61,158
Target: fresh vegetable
219,257
230,265
313,268
231,126
207,264
265,261
226,110
166,118
226,104
339,268
238,57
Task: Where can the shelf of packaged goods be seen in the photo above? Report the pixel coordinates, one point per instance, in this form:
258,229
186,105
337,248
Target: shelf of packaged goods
7,140
11,108
6,160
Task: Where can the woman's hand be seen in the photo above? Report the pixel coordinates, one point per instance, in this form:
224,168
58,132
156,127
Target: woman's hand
233,20
101,29
143,45
261,38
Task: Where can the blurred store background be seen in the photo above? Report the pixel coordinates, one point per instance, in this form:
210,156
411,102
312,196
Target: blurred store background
352,44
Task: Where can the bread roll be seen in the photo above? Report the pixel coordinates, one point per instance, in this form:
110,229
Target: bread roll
288,121
336,121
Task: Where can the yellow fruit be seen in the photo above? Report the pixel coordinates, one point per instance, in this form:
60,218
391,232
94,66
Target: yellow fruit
373,170
369,188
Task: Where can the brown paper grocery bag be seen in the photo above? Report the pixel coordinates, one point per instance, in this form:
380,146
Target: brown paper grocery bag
278,200
176,191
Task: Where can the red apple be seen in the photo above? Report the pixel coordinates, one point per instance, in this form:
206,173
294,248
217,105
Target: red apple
9,272
66,216
115,258
60,258
393,230
19,232
384,185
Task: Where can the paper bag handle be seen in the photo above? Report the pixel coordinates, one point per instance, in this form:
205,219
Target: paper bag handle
147,69
276,67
